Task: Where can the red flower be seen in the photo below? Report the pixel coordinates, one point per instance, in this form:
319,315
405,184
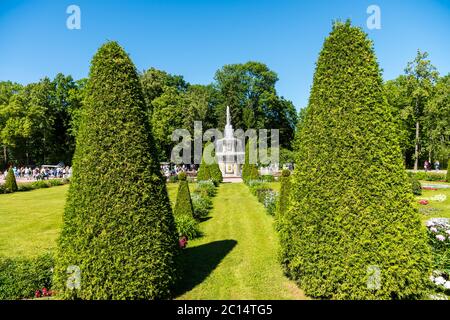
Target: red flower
37,294
429,188
183,242
44,292
424,202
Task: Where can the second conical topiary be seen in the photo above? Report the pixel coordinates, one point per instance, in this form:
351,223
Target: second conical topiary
10,181
353,231
183,204
119,239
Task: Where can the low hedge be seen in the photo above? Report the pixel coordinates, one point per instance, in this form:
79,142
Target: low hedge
429,176
201,203
21,277
40,184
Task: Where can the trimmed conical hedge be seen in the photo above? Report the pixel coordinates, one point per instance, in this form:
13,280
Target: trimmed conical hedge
203,173
10,181
214,171
183,204
249,170
118,228
353,231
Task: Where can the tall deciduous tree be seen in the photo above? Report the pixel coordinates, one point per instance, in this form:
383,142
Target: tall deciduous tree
421,77
118,228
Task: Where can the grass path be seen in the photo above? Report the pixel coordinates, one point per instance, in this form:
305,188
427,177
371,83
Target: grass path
237,257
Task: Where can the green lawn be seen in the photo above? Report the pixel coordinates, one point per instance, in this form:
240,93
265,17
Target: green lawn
30,221
237,257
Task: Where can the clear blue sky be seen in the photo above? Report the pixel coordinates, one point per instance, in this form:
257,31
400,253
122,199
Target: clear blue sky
195,38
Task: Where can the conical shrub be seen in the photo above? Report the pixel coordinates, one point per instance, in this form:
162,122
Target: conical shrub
10,181
214,171
183,204
353,231
119,239
249,170
203,173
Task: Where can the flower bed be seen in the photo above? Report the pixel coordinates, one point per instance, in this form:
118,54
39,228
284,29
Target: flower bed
439,237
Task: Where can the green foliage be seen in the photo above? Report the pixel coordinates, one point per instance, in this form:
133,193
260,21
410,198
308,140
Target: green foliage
268,178
182,176
187,226
448,171
10,182
206,187
416,187
351,205
249,90
201,204
203,173
249,170
183,205
118,226
285,189
21,277
429,176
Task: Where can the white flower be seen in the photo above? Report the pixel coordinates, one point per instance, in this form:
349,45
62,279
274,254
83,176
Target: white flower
430,223
440,237
447,285
439,281
447,231
433,229
432,278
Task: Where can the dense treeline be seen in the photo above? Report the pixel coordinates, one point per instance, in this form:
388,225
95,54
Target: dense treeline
38,121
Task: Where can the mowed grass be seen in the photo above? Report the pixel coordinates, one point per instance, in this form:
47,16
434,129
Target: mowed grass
30,221
237,256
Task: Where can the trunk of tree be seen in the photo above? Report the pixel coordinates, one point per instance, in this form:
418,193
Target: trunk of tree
5,155
416,152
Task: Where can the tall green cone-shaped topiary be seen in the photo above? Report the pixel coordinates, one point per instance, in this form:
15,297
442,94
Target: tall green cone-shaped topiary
249,170
183,204
203,173
214,171
353,233
119,236
10,181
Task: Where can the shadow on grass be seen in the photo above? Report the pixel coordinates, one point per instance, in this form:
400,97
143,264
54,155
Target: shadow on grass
204,219
198,262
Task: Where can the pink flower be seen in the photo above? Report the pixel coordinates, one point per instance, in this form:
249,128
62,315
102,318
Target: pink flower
423,202
440,237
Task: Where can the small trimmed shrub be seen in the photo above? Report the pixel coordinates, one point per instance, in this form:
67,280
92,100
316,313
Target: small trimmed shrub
416,187
10,182
21,277
187,226
268,198
268,178
182,176
203,173
183,204
201,204
216,174
173,179
40,184
206,187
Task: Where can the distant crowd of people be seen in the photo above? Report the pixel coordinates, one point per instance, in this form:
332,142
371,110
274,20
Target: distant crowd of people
427,165
169,170
43,173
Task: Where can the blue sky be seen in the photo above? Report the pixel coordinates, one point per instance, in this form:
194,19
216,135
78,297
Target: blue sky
195,38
